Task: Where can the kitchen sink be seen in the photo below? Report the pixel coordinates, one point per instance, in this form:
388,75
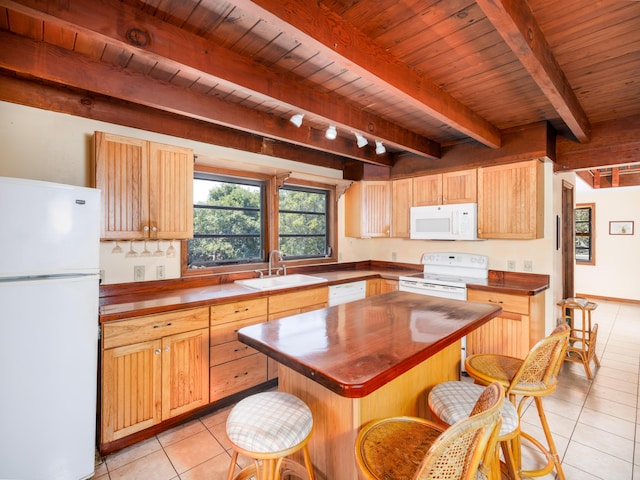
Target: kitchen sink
284,281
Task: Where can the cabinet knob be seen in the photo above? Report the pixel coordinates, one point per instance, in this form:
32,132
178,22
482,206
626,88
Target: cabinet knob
154,229
145,228
158,351
167,348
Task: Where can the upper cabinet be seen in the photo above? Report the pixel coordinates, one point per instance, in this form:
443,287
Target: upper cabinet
146,188
401,201
443,188
511,201
368,209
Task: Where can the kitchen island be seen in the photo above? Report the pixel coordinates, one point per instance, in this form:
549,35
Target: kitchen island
367,359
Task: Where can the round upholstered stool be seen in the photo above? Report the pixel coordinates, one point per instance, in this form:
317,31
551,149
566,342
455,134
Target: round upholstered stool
268,427
450,402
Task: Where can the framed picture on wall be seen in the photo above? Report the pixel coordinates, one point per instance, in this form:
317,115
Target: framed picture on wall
621,228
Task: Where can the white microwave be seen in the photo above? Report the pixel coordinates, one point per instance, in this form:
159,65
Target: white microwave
445,222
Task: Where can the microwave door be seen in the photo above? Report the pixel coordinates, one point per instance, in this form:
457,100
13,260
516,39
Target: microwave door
433,225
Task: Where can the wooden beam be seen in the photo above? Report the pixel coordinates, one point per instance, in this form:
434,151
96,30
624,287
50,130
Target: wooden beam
61,66
112,21
616,142
320,28
516,24
596,178
586,176
615,177
536,140
106,109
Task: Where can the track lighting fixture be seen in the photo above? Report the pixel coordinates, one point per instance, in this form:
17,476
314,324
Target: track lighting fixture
297,119
380,148
362,141
331,133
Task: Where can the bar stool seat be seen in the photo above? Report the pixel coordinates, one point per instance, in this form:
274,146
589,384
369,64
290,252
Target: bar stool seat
451,402
268,427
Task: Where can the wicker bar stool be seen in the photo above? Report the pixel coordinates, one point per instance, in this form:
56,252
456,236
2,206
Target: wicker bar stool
268,427
450,402
582,341
404,448
535,376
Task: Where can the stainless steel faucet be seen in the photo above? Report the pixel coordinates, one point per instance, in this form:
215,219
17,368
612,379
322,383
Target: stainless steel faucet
277,252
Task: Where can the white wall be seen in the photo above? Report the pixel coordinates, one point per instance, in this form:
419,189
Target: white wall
615,273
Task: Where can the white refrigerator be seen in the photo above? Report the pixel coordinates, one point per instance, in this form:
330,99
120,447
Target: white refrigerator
49,275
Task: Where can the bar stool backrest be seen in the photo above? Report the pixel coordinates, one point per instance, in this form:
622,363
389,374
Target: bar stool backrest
467,445
539,370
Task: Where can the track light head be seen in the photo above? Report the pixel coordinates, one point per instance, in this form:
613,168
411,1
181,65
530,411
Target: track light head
380,148
331,133
297,119
361,140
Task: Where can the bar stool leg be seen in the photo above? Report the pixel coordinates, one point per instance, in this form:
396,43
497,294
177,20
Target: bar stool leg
552,452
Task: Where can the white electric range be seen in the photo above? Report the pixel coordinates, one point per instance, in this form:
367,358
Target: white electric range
446,275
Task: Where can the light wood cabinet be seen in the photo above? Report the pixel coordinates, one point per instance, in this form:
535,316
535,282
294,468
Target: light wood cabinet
511,201
146,188
234,366
443,188
286,304
368,209
153,368
401,201
515,331
378,286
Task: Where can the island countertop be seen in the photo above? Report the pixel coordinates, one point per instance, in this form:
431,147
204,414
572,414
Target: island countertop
355,348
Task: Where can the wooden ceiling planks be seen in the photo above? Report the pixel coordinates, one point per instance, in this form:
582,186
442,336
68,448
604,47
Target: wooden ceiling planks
436,47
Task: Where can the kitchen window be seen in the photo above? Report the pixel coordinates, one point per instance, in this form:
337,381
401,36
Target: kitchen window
228,221
240,217
303,222
584,231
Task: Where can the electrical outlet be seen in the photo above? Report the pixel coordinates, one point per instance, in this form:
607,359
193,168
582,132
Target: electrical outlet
528,266
511,265
138,273
394,256
160,272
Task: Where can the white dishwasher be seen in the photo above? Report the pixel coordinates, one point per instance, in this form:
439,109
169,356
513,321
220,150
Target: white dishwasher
347,292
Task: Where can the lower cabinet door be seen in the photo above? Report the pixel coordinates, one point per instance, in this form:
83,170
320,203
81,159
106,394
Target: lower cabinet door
131,389
185,372
237,375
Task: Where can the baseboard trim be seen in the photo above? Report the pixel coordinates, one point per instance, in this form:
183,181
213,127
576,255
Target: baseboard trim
607,298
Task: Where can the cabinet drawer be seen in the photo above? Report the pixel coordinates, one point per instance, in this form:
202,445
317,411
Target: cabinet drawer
152,327
238,375
230,312
301,299
228,332
508,302
226,352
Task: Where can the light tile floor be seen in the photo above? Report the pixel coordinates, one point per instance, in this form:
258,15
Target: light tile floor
595,423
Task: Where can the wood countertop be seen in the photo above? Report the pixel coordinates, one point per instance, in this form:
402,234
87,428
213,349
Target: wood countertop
150,301
356,348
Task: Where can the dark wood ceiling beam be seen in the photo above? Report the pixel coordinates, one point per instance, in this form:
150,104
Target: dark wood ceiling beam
516,24
615,177
616,142
106,109
536,140
61,66
113,21
317,26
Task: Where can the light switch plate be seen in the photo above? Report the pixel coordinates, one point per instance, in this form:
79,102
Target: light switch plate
528,266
